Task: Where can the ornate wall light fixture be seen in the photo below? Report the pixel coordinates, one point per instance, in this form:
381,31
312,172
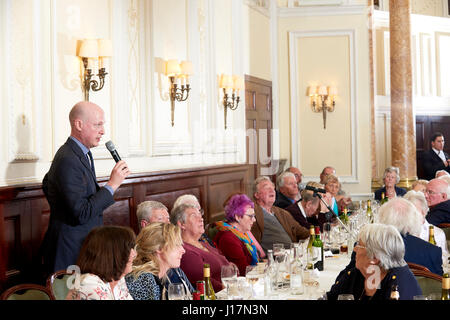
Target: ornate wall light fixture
178,75
94,52
323,100
231,86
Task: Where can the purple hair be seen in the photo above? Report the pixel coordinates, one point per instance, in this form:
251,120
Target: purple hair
236,206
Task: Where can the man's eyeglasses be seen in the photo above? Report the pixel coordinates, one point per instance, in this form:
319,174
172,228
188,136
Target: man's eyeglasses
431,192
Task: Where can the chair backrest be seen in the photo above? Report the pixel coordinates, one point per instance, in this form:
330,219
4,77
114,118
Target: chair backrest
211,230
27,291
416,266
57,284
429,282
446,228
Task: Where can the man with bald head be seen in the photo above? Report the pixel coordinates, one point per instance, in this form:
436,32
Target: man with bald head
76,200
438,200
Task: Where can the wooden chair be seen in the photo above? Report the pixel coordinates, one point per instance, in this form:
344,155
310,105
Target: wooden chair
57,284
415,266
27,291
446,228
428,281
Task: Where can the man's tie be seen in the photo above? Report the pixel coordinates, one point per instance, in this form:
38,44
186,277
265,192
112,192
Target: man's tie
91,161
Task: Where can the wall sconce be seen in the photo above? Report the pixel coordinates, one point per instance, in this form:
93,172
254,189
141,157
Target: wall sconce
231,86
323,100
178,74
94,52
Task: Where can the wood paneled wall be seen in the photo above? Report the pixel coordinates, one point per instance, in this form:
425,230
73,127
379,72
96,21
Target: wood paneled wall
24,210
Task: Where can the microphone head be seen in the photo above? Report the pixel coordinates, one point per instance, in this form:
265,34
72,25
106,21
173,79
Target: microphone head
110,146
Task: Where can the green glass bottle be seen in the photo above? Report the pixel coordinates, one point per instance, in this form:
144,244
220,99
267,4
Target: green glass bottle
309,250
384,199
318,251
445,287
369,212
209,290
431,235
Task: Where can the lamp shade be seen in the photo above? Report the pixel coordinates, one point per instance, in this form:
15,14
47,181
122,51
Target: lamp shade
312,90
104,48
333,91
172,68
226,81
323,91
239,83
187,67
89,48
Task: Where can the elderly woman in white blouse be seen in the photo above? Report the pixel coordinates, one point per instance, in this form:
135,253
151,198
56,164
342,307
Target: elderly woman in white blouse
419,201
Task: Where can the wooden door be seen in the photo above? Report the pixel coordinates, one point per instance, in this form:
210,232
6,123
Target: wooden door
425,127
258,115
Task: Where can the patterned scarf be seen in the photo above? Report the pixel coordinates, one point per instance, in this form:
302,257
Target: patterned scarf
249,244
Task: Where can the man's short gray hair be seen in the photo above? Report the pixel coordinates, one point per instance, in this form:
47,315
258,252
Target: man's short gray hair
258,181
384,243
178,213
419,198
145,209
280,179
401,214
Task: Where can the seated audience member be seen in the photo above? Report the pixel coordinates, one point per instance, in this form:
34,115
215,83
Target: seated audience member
287,190
438,200
418,199
441,173
335,201
391,177
403,215
191,199
379,251
419,185
151,211
233,239
106,256
159,248
325,173
310,210
298,177
189,218
273,224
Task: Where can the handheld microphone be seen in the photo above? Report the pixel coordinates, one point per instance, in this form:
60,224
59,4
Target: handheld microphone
112,148
315,189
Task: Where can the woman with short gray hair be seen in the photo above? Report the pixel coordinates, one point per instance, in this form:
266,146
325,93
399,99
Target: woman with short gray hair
391,177
379,267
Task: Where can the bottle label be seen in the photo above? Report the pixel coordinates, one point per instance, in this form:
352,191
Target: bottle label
317,254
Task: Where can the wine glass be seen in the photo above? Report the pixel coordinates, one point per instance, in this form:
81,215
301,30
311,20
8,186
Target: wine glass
176,291
252,276
228,273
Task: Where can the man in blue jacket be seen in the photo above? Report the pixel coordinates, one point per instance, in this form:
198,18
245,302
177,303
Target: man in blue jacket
76,200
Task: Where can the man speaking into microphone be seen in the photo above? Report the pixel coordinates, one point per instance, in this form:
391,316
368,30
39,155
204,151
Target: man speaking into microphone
76,200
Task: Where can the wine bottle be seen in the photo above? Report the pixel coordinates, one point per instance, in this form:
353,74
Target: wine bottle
395,295
309,250
445,287
318,251
431,235
369,212
209,290
384,199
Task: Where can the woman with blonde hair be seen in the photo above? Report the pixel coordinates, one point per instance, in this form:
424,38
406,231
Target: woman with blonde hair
159,248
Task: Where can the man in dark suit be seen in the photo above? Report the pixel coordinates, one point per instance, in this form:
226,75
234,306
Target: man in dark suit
76,200
435,159
287,190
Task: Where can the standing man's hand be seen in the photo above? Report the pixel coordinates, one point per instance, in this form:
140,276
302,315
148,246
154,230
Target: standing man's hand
118,174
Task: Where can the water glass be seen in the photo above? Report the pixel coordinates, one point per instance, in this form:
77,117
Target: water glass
346,297
228,272
176,291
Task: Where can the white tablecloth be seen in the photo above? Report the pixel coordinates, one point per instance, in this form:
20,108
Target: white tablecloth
332,266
